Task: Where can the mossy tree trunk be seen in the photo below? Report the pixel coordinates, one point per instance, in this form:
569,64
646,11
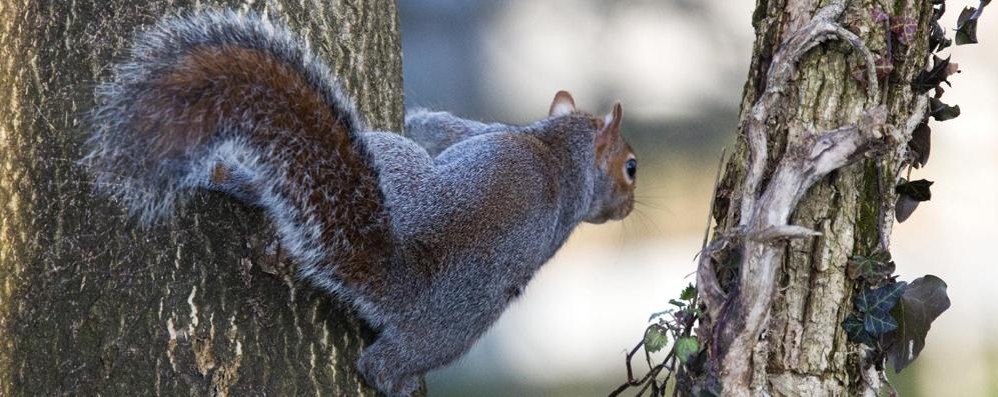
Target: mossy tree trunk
802,349
91,303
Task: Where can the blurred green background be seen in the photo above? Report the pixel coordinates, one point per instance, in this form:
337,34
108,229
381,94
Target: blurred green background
678,67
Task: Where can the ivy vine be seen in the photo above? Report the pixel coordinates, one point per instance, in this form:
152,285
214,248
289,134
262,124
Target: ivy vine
891,317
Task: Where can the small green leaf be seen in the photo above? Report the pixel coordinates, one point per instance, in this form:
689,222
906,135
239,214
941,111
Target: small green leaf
686,348
656,337
871,268
855,330
922,302
879,323
688,293
679,304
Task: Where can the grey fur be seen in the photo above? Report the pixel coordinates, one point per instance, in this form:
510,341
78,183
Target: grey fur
474,209
488,211
436,131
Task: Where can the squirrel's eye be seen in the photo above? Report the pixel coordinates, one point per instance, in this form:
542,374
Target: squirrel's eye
631,168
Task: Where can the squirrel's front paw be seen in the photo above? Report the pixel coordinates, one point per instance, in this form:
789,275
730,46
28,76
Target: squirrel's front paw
408,386
378,373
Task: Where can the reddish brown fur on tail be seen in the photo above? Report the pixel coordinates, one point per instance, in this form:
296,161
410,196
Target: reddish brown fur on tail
218,87
214,84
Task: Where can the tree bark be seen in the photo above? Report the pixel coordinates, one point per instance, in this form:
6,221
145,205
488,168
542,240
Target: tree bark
802,349
91,303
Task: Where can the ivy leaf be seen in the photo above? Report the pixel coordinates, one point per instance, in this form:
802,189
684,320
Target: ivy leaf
937,12
656,337
884,66
918,190
909,195
904,29
659,314
871,268
879,323
904,207
931,78
880,300
855,330
920,144
966,24
922,302
876,304
941,111
686,348
937,38
878,15
688,293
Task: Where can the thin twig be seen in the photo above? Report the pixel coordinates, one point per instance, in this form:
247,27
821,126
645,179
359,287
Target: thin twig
651,375
707,284
903,134
708,287
713,200
631,382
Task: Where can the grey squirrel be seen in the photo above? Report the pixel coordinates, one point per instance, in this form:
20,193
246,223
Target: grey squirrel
427,236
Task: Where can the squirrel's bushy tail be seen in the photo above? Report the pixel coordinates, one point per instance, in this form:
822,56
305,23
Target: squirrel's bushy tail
235,103
192,81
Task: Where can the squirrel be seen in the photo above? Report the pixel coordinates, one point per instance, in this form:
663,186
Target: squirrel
427,236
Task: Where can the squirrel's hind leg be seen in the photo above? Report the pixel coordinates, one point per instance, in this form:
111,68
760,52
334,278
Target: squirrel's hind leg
233,180
229,167
384,366
396,361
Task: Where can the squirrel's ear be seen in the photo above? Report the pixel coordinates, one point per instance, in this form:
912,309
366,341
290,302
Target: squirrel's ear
562,105
612,119
611,128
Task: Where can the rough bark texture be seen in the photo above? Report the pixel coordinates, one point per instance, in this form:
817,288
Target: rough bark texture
91,303
803,349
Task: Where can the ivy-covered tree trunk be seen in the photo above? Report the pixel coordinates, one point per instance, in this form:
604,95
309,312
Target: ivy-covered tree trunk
93,304
799,347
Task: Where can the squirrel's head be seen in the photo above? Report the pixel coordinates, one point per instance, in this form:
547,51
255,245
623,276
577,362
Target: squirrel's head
616,164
